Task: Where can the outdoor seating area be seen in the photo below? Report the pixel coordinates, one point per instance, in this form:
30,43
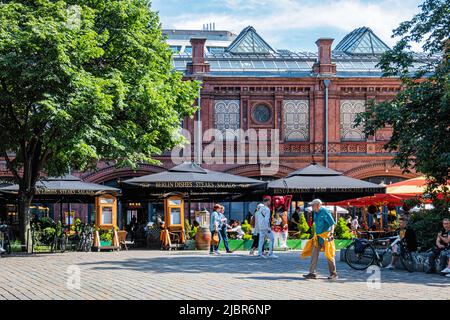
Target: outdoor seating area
370,214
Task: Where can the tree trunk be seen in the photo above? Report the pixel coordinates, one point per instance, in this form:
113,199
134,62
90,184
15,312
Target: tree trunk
25,199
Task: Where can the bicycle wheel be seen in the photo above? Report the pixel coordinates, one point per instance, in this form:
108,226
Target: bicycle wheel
88,244
407,260
63,243
361,260
7,247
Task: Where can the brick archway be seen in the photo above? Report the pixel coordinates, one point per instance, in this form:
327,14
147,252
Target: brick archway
380,168
112,172
253,170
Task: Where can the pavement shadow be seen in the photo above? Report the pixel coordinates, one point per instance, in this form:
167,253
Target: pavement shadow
288,267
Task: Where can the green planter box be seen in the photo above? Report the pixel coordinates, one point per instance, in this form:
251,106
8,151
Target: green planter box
105,243
341,244
236,245
293,244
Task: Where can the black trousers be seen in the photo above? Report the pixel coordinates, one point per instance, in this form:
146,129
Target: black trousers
435,254
255,241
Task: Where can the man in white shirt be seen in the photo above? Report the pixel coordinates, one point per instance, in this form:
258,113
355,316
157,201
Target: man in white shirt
262,226
355,224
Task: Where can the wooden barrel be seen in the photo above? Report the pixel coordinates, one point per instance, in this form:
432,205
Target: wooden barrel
203,238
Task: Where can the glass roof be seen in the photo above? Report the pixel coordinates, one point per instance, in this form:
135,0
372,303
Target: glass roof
361,41
248,41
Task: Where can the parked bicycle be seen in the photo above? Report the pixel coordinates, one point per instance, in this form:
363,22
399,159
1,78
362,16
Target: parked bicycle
5,241
362,253
60,239
86,238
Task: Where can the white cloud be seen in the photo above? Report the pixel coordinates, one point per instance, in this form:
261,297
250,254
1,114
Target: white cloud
278,17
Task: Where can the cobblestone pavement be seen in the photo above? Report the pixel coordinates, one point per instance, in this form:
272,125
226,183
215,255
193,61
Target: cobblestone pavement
197,275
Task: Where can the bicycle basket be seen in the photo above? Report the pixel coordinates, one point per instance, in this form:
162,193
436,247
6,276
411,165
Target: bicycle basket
360,245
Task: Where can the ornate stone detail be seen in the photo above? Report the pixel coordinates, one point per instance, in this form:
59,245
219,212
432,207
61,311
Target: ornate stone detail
227,117
333,148
296,148
318,148
379,148
349,111
296,120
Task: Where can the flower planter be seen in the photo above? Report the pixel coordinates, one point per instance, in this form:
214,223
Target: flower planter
104,243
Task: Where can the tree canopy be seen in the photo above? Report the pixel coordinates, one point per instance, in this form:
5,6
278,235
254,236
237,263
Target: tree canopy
420,113
83,81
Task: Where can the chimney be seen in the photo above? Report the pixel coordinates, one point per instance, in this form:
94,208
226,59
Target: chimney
324,66
198,64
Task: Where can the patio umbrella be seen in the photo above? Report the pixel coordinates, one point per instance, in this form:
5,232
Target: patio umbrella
318,181
195,181
411,188
65,189
379,199
330,208
67,186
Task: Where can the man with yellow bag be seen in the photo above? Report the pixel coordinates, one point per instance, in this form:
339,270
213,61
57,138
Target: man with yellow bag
323,240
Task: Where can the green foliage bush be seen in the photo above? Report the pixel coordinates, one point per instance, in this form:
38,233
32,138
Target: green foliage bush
247,237
247,228
43,231
427,224
192,232
342,231
304,236
302,225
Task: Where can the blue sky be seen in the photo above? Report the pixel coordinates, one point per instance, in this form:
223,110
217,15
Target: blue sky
290,24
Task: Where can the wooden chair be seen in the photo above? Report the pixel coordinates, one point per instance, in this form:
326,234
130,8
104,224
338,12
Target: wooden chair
122,235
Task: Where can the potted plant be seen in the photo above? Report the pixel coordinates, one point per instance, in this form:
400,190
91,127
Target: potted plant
106,238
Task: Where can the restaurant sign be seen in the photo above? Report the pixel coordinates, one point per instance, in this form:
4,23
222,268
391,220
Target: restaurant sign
195,184
327,190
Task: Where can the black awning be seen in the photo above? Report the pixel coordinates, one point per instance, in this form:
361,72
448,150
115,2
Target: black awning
68,187
193,179
320,181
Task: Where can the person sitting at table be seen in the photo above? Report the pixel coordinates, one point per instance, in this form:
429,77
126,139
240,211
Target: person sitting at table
295,219
407,235
235,227
441,246
355,224
348,220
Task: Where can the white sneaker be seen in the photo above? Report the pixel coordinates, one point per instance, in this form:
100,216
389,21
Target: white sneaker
272,256
446,270
2,250
389,267
262,256
448,275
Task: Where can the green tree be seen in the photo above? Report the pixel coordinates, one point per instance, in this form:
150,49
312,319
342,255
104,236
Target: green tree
83,81
420,113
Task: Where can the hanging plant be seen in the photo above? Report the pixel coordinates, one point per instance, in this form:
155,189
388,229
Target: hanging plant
406,207
372,209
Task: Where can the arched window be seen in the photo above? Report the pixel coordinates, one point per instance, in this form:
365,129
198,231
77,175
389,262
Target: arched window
227,117
296,120
349,111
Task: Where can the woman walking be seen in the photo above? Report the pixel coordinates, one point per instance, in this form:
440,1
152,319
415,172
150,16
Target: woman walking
223,229
255,234
214,228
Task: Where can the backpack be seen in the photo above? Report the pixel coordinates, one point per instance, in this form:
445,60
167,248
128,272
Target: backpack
360,245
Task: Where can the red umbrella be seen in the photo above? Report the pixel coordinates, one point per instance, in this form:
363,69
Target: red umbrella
379,199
